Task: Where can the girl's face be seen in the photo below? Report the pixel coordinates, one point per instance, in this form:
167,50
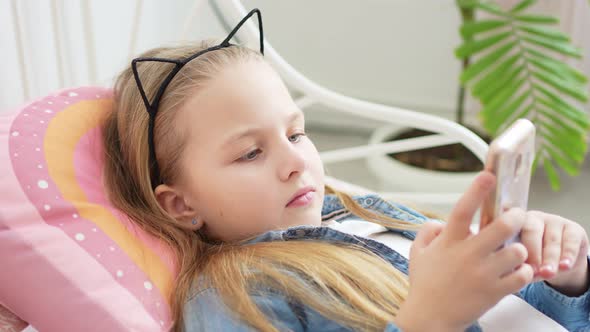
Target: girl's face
246,158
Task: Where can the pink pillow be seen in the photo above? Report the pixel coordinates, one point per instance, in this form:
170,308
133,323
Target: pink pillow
68,259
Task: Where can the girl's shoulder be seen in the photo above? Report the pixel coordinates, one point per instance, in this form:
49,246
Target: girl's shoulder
333,208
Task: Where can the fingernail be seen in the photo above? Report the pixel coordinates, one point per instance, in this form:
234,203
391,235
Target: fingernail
548,268
566,263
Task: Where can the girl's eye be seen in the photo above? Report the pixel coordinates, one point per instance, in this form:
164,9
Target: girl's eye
250,155
296,137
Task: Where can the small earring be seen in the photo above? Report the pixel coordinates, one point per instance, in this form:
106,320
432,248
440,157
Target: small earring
194,221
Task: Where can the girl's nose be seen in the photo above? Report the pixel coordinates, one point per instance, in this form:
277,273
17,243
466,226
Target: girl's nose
292,162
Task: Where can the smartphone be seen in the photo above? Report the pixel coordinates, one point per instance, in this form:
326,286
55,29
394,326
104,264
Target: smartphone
510,158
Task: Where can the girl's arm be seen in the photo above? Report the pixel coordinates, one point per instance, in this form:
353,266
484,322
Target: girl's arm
572,312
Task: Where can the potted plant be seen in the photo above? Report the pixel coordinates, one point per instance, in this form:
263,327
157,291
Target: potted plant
512,64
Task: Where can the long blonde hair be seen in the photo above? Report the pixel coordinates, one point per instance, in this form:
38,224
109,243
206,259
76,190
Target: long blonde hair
343,282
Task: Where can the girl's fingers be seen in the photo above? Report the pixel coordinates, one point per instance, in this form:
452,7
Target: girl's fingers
516,280
505,260
571,242
462,214
532,238
501,229
428,232
551,248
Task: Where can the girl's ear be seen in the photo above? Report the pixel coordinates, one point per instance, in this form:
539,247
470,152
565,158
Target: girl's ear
173,202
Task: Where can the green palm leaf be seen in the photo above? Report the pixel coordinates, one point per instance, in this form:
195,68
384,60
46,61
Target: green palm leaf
518,73
565,86
471,47
545,32
560,47
557,103
470,28
485,62
536,19
522,5
502,114
500,85
551,174
501,98
485,6
564,162
500,72
559,121
557,68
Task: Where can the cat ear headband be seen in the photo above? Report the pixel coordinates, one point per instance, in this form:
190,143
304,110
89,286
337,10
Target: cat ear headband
152,107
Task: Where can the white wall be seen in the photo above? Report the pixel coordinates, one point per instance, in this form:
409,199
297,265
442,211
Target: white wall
397,52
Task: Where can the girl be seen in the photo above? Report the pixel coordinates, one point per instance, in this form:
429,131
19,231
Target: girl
219,167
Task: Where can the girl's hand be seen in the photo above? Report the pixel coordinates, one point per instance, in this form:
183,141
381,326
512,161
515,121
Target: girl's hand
558,250
455,276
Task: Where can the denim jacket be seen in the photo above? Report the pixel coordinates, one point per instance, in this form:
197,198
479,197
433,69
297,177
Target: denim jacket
205,311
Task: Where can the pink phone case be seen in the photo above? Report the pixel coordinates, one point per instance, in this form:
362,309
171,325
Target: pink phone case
510,158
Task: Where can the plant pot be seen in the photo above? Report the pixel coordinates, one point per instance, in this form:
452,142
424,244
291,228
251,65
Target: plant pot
400,176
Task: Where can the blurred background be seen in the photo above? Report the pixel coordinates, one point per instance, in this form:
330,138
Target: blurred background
392,52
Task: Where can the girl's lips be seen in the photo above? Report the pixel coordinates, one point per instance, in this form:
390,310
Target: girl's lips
302,199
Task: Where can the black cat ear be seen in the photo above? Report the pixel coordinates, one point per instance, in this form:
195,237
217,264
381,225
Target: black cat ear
152,106
226,43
